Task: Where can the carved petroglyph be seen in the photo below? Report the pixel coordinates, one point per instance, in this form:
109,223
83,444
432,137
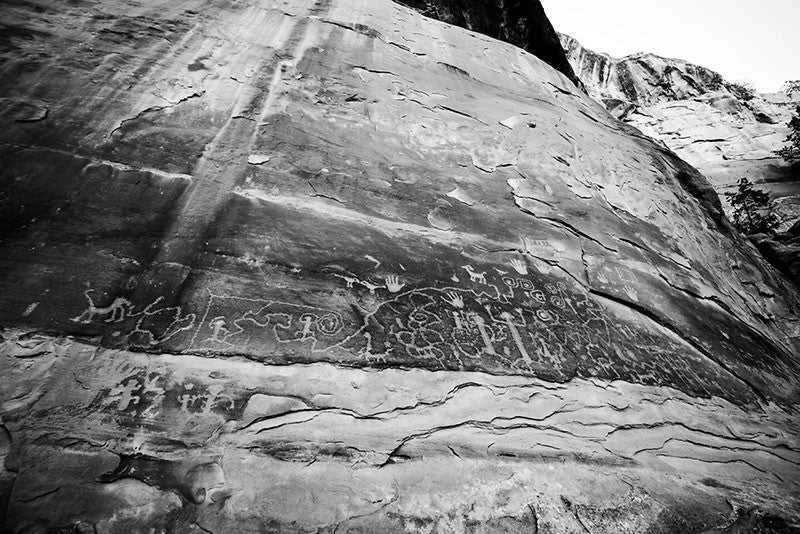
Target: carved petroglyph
509,319
454,299
233,322
519,266
144,395
625,275
547,326
150,326
631,293
474,276
115,312
351,282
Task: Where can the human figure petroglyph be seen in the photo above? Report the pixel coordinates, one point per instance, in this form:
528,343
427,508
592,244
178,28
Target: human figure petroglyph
457,320
509,320
474,276
125,394
218,326
307,320
235,319
216,398
478,321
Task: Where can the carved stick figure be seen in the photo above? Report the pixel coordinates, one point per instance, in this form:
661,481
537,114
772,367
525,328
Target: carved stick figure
218,325
307,320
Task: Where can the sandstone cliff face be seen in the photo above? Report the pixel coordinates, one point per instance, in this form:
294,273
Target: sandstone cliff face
331,266
522,23
706,120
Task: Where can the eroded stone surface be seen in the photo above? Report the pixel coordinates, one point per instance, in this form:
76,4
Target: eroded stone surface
726,133
457,296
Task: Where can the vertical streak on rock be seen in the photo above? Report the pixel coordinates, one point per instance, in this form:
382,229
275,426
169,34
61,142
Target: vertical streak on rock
231,146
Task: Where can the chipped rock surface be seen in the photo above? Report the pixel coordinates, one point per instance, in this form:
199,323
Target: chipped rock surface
453,295
726,134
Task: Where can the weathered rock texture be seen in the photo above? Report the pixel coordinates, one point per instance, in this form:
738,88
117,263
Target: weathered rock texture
522,23
331,266
725,132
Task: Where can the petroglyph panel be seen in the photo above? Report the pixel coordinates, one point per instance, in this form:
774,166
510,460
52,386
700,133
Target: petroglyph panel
504,318
234,323
149,398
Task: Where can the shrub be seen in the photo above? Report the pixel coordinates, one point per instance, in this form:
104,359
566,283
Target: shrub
753,211
791,151
742,90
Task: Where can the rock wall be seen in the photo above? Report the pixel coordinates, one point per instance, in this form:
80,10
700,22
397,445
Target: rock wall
332,266
522,23
725,132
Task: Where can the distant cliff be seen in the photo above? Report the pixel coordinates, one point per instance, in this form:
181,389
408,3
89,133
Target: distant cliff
725,129
522,23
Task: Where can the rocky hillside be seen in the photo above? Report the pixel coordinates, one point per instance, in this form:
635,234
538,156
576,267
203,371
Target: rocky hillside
725,130
333,266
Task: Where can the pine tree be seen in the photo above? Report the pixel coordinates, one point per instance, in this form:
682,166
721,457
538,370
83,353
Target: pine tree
753,211
791,151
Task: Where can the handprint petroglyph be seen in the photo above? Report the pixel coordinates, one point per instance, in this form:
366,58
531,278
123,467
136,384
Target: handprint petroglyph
393,283
519,266
631,292
454,299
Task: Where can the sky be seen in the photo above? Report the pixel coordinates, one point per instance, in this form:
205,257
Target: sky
757,41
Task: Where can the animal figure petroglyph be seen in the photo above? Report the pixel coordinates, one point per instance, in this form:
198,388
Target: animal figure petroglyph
116,311
349,280
352,280
369,285
144,333
474,276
